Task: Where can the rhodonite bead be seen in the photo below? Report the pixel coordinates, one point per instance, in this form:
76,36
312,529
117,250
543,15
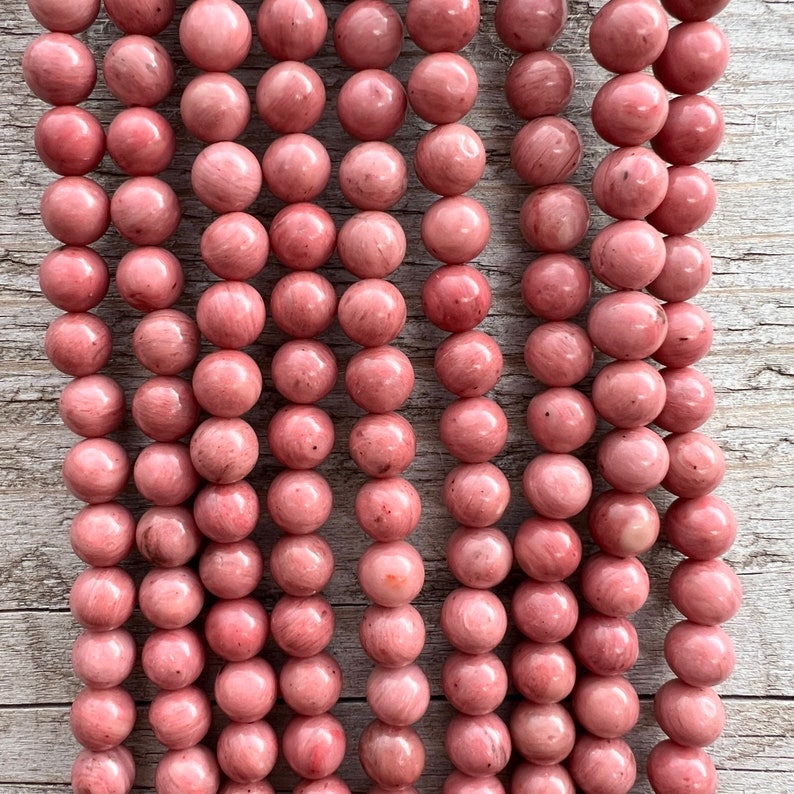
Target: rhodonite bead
235,246
215,35
628,393
74,278
379,379
299,502
371,244
458,783
479,558
145,211
303,304
236,629
543,733
606,706
630,109
701,528
478,745
149,278
231,570
692,132
138,71
630,182
669,763
628,254
368,34
442,27
215,107
224,450
302,626
699,655
544,611
449,159
474,684
227,299
627,325
314,746
614,586
382,445
628,36
392,637
92,406
303,236
101,719
561,419
530,26
96,470
686,271
102,534
78,343
555,286
226,177
554,218
442,87
141,142
173,659
473,621
693,59
468,364
148,17
455,229
167,536
296,167
59,69
180,770
558,354
290,97
303,370
60,17
604,645
171,598
328,785
707,592
623,524
290,30
103,659
694,10
180,718
258,787
373,176
372,312
547,549
456,298
164,474
226,513
476,494
301,565
546,150
247,752
602,766
246,691
556,485
393,757
542,779
311,685
543,672
102,599
688,203
371,105
633,460
539,84
75,210
391,574
697,464
227,383
690,716
69,141
300,436
398,696
388,508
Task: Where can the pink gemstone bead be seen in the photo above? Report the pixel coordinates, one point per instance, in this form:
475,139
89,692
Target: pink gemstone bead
141,142
697,465
701,528
138,71
544,611
555,286
527,27
167,536
299,502
145,211
180,718
543,672
693,130
449,159
398,696
630,109
75,210
59,69
479,558
368,34
633,460
96,470
546,150
373,176
392,637
92,406
690,716
554,218
630,183
259,787
149,278
686,271
627,36
225,300
227,383
628,254
182,770
166,342
224,450
303,236
314,747
311,685
455,229
69,141
301,565
479,745
236,629
78,344
623,524
458,783
558,354
670,763
231,570
707,592
74,279
290,97
474,684
371,105
606,646
442,87
539,84
215,35
246,691
235,246
326,785
542,779
543,733
371,244
111,771
456,298
164,474
468,364
693,59
226,513
391,574
561,419
215,107
372,312
602,766
699,655
379,379
697,11
173,659
689,202
303,304
304,371
388,509
394,757
476,494
547,549
103,659
627,325
290,30
474,621
474,430
296,167
606,706
556,485
72,17
226,177
442,27
148,17
171,598
689,400
302,626
300,436
247,752
102,599
628,393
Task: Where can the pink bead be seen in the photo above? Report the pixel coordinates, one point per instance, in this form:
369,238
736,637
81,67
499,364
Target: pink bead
75,210
449,159
109,772
693,59
630,109
148,278
303,304
602,766
701,528
314,747
468,364
479,558
546,150
527,27
224,450
215,107
299,502
311,685
167,536
689,400
247,752
236,629
227,383
69,141
290,30
458,783
59,69
474,621
141,142
78,344
627,254
138,71
148,17
633,460
630,183
690,716
628,393
627,325
372,312
226,513
391,574
371,105
215,35
164,474
555,286
686,271
542,672
689,202
302,626
543,733
442,27
556,485
72,17
606,646
456,298
171,598
180,718
259,787
92,406
455,229
74,279
623,524
173,659
474,684
368,34
290,97
226,177
102,599
379,379
398,696
392,637
697,465
606,706
476,494
539,84
699,655
146,211
393,757
474,429
670,763
303,236
300,436
547,549
693,130
103,659
478,746
166,342
554,218
231,570
707,592
373,176
688,11
96,470
235,246
183,770
442,87
303,371
326,785
627,36
561,419
301,565
388,509
225,300
246,691
544,611
371,244
296,167
542,779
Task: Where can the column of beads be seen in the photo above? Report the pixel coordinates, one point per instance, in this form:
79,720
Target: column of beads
449,160
698,524
216,36
555,287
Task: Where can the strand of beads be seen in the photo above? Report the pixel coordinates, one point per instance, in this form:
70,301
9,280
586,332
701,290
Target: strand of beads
555,287
449,161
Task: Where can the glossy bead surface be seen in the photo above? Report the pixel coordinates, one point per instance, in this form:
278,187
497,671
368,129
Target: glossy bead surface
371,105
102,534
670,763
96,470
555,286
701,528
698,11
236,629
542,779
224,450
474,684
73,278
227,383
455,229
699,655
299,502
391,574
606,706
371,244
300,436
101,719
145,211
479,558
556,485
379,379
167,536
138,71
627,325
474,621
633,460
547,549
372,312
398,696
692,132
449,159
78,344
707,592
445,27
296,167
693,59
69,141
215,107
561,419
148,17
102,599
226,177
59,69
302,626
246,691
164,474
628,254
442,87
215,35
75,210
92,406
627,36
539,84
689,400
688,203
290,97
554,218
458,783
544,611
171,598
231,570
602,766
247,752
623,524
141,142
476,494
393,757
478,745
180,718
227,299
368,34
73,17
149,278
373,176
456,298
290,30
314,747
697,465
543,672
628,393
235,246
606,646
173,659
392,637
388,508
690,716
527,27
630,183
303,236
546,150
303,304
543,733
303,371
226,512
469,363
103,659
311,685
195,767
686,271
629,109
301,565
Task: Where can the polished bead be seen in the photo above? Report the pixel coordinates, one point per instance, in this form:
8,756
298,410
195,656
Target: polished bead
628,393
394,757
102,599
543,733
627,325
629,109
146,211
442,87
138,71
171,598
707,592
311,685
556,485
694,10
697,465
474,684
391,574
290,30
74,279
299,502
449,159
456,298
227,383
141,142
226,513
699,655
473,429
398,696
303,371
166,342
530,26
544,611
301,565
623,524
302,626
300,436
78,344
388,509
468,364
246,691
606,706
226,177
692,132
235,246
686,271
373,176
231,570
458,783
371,244
689,202
180,718
296,167
689,400
101,719
479,558
633,460
541,779
96,470
60,17
561,419
455,229
215,107
630,182
558,354
149,278
371,105
368,34
547,549
167,536
392,637
476,494
173,659
602,766
701,528
326,785
539,84
690,716
102,534
303,236
59,69
247,752
222,301
290,97
614,586
606,646
194,769
92,406
314,746
69,141
224,450
379,379
554,218
693,59
372,312
627,36
258,787
474,621
478,745
236,629
215,35
628,254
555,286
148,17
75,210
442,27
164,474
543,672
303,304
669,764
103,659
546,150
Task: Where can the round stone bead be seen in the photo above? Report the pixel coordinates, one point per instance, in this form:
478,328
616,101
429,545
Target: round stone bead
227,299
290,30
300,436
75,210
299,502
259,787
373,176
301,565
701,528
556,485
101,719
167,536
59,69
92,406
689,401
474,429
627,325
290,97
602,766
231,570
628,254
442,87
456,298
476,494
75,279
226,512
303,304
707,592
398,696
630,183
449,159
543,733
235,246
78,343
173,659
555,286
458,783
547,549
371,244
141,142
543,672
382,445
147,17
628,393
371,105
391,574
215,107
236,629
614,586
558,354
561,419
544,611
455,229
474,684
394,757
628,36
604,645
69,141
630,109
372,312
554,218
692,132
311,685
368,34
392,637
215,35
102,534
247,752
329,785
478,745
700,656
633,460
688,203
697,465
468,364
606,706
446,27
180,770
694,58
303,370
180,718
686,272
528,27
388,508
103,659
102,599
379,379
302,626
669,763
539,84
171,598
691,716
303,236
623,524
145,211
227,383
224,450
165,475
246,691
96,470
59,17
138,71
546,150
542,779
694,10
314,747
296,167
473,621
226,177
149,278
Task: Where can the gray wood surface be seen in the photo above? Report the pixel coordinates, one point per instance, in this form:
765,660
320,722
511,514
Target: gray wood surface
752,366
